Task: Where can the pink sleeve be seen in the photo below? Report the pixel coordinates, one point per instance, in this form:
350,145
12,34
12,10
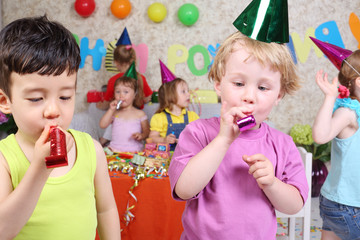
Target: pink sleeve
291,170
191,142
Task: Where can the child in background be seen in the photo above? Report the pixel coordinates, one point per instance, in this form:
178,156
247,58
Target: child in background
130,125
338,121
39,64
233,181
124,56
171,117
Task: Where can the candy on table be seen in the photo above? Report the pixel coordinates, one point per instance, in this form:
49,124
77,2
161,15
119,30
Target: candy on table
155,162
137,159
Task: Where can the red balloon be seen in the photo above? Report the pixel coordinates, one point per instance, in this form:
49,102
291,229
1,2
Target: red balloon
84,7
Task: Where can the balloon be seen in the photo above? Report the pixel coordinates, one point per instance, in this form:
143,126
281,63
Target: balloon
84,7
157,12
188,14
120,8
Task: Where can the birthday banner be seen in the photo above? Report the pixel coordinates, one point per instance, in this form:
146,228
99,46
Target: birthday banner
299,48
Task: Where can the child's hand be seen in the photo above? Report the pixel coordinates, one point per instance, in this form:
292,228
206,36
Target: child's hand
137,136
261,168
329,89
170,139
113,104
228,127
42,148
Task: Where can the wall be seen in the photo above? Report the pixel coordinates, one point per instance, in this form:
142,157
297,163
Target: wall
164,41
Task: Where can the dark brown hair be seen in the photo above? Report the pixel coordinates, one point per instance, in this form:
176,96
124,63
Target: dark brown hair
36,45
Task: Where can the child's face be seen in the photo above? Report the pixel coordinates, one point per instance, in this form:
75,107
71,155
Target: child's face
41,100
249,84
183,95
124,93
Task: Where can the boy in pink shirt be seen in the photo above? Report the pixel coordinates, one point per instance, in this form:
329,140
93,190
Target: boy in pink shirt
233,181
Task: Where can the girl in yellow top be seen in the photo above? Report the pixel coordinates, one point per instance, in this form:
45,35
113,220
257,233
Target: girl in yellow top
172,116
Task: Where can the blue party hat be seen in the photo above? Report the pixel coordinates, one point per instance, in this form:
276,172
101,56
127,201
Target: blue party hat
124,38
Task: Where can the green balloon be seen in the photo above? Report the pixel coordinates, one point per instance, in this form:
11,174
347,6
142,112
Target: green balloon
188,14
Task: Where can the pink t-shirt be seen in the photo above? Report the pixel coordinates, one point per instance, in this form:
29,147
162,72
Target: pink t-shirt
232,206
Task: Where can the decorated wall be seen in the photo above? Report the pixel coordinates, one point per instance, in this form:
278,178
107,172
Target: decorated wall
187,45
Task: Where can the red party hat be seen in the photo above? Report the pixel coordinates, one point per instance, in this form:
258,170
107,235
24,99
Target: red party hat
166,74
335,54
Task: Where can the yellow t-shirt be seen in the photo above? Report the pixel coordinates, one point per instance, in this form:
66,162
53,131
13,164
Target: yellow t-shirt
66,208
159,121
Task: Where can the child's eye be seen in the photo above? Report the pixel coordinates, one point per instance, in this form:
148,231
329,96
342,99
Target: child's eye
239,84
262,88
65,98
35,99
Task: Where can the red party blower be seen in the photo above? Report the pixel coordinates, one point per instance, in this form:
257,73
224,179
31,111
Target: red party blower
58,153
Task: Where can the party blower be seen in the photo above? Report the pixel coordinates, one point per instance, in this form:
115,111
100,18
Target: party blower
58,153
246,123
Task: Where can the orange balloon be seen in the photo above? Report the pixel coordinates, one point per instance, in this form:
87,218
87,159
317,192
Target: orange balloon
120,8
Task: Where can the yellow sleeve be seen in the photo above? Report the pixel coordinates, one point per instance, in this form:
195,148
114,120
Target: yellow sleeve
159,123
192,116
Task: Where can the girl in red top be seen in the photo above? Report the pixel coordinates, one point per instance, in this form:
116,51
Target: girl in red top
124,56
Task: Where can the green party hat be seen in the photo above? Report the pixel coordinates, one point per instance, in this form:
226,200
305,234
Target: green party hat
265,20
131,71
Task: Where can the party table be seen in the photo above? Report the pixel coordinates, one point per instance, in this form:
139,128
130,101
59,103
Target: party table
156,214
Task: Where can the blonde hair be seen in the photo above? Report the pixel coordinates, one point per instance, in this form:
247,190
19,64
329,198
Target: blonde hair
167,94
274,54
347,75
133,84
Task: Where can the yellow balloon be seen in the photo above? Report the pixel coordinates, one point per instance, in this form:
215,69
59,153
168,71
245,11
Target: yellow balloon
157,12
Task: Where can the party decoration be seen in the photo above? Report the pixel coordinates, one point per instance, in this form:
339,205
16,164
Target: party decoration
97,53
335,54
174,56
84,7
265,20
329,32
157,12
131,71
188,14
166,74
303,47
124,38
354,23
109,57
120,8
212,50
198,49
